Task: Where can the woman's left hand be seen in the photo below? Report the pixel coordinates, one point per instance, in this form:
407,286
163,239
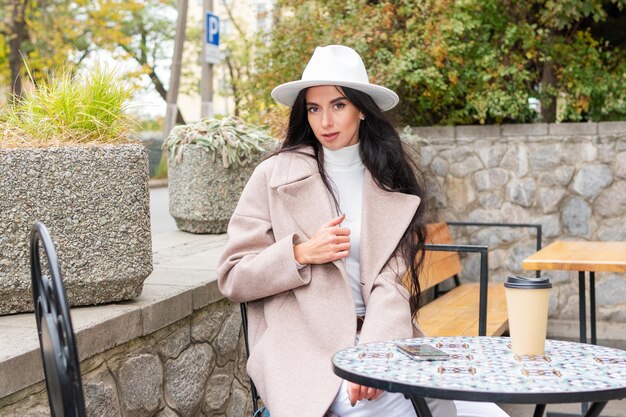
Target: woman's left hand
358,392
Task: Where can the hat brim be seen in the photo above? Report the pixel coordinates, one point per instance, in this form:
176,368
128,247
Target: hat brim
286,93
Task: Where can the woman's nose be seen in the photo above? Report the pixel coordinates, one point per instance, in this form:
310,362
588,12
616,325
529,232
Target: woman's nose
327,119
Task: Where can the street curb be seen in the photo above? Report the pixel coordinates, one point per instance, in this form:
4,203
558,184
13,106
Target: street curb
157,183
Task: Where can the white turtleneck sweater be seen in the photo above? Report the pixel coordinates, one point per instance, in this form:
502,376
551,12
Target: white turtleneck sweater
346,171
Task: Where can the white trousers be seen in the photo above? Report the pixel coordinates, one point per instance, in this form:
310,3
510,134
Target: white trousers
395,405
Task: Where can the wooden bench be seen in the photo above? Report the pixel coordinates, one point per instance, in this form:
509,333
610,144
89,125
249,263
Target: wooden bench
468,309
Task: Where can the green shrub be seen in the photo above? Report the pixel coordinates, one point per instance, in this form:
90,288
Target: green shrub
230,138
69,109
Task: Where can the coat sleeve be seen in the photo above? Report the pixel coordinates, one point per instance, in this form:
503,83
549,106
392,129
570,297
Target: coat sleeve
388,313
254,265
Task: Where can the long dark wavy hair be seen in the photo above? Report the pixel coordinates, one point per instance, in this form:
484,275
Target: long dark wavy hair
382,154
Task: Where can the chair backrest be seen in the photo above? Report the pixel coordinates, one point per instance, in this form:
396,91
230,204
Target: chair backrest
54,326
438,266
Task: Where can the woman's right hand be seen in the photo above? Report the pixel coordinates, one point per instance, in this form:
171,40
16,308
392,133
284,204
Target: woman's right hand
327,244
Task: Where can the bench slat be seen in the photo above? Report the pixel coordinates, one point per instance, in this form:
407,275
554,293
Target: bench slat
456,312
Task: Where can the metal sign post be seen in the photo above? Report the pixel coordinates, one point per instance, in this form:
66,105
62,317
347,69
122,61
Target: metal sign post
210,55
172,92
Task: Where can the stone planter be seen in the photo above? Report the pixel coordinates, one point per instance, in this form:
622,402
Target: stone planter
202,193
95,202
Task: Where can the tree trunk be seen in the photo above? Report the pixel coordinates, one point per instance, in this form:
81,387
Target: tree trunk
548,100
234,84
19,36
158,85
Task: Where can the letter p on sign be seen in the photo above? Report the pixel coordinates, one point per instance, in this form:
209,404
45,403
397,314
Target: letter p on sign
212,29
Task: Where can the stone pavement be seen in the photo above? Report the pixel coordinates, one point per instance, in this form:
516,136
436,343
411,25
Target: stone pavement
613,409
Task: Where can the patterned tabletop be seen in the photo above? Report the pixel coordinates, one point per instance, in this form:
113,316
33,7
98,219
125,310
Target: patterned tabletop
485,369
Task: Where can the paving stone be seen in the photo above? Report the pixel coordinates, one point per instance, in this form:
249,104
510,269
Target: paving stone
139,384
439,167
548,199
590,180
516,160
457,153
472,132
206,325
459,193
521,192
620,165
573,129
576,153
612,201
175,343
559,176
490,200
612,230
491,179
101,396
576,217
228,336
186,377
525,129
218,389
238,402
545,157
491,153
435,132
167,412
610,289
466,167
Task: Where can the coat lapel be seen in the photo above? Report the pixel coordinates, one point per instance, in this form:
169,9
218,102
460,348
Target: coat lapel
386,215
298,182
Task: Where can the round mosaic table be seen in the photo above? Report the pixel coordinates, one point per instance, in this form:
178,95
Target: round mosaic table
485,369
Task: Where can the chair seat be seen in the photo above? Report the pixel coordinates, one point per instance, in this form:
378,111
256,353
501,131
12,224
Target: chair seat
456,312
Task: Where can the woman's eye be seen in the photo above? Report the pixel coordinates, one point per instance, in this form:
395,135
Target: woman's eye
340,105
312,109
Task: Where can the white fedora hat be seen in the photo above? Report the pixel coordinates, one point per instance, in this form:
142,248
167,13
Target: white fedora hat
335,65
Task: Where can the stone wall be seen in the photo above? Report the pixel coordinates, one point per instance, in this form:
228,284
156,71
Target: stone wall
192,368
571,178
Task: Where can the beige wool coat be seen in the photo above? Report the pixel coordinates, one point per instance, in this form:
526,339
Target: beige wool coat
299,318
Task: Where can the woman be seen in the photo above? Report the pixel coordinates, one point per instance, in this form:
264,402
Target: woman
322,235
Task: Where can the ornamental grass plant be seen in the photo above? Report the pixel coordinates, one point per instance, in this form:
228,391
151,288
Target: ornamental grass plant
229,138
69,109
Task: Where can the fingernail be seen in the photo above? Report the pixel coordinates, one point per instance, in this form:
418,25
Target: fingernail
352,403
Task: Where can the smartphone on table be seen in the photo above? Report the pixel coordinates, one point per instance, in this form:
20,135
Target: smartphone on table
422,352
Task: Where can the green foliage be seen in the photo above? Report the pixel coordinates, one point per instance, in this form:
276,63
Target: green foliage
58,33
229,138
161,169
456,61
70,108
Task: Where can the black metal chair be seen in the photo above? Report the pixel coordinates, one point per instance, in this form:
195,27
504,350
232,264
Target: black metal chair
56,335
256,410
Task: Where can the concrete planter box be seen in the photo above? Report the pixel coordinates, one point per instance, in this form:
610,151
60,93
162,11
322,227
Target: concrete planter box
95,202
202,193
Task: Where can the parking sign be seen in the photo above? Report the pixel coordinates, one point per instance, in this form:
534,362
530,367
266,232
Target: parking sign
212,52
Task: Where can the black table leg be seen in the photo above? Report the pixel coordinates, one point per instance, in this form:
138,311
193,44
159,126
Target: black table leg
539,410
421,408
595,409
592,305
582,307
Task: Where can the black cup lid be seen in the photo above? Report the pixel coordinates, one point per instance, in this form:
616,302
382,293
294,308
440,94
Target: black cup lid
527,283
